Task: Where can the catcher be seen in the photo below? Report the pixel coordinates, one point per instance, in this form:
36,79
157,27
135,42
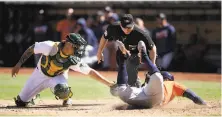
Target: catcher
158,89
52,69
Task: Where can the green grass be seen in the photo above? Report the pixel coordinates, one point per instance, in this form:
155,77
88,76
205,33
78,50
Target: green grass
207,90
86,88
82,88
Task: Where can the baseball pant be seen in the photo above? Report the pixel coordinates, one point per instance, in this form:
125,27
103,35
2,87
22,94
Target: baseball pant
38,82
155,89
132,66
151,95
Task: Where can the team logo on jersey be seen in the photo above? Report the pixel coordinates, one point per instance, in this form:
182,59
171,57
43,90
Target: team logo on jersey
132,47
162,34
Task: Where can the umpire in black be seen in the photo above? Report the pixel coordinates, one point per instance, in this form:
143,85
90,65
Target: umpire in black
129,34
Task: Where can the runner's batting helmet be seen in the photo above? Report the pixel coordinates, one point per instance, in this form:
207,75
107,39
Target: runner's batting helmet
167,76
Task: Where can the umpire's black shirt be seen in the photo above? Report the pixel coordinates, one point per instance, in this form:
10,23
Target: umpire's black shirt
114,32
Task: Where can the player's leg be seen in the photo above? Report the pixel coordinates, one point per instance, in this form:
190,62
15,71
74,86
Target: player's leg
154,88
174,89
33,86
60,88
181,90
106,63
122,76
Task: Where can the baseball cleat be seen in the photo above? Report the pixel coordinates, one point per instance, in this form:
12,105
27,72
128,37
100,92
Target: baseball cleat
141,47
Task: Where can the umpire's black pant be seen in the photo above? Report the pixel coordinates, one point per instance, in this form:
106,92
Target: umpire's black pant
127,69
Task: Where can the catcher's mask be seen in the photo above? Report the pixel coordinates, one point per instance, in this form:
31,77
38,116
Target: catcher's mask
78,43
62,91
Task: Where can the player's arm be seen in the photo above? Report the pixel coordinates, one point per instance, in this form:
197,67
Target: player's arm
173,37
152,54
22,60
26,55
150,46
103,41
85,69
98,77
38,48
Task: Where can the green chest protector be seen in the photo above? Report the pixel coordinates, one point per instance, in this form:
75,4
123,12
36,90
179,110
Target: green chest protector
54,64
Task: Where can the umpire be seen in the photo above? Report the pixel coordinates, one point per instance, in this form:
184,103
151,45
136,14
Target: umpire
129,34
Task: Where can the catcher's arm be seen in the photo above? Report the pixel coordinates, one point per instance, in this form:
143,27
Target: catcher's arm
22,60
85,69
97,76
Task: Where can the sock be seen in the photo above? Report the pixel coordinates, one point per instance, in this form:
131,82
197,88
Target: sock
192,96
151,67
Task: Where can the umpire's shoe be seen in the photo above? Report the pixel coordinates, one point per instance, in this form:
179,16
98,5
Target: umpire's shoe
67,103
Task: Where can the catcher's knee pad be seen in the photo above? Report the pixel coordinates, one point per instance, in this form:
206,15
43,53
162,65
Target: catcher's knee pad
62,91
20,103
141,46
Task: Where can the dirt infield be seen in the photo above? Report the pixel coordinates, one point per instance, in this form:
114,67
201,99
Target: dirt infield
110,107
115,107
113,74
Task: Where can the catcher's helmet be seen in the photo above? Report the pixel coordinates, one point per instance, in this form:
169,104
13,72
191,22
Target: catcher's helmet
167,76
76,39
78,42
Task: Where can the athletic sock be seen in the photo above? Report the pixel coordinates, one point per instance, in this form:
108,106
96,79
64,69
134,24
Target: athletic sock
150,66
192,96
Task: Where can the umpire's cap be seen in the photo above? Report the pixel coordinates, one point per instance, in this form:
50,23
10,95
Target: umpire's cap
127,21
167,76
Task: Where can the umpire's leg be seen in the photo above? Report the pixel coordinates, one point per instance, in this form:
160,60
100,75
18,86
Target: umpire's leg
132,70
122,76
